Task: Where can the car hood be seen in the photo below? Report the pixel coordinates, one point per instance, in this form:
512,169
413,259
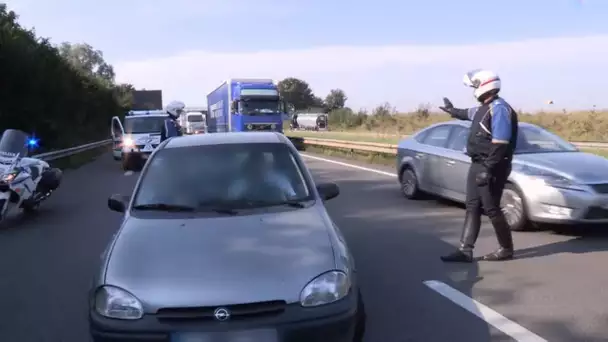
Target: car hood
579,166
220,260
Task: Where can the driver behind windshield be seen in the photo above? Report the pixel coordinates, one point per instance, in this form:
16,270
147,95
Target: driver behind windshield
260,179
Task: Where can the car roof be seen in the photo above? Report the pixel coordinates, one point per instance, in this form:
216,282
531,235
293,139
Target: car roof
466,123
226,138
146,116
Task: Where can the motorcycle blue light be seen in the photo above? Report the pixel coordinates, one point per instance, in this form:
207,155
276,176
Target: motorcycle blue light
32,142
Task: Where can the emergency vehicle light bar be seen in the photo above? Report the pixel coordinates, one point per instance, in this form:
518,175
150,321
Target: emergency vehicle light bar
146,112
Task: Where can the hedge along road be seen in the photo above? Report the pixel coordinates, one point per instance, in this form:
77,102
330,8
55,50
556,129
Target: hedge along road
553,290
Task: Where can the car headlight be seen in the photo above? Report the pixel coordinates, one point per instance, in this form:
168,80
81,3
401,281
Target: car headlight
273,126
325,289
128,142
548,178
113,302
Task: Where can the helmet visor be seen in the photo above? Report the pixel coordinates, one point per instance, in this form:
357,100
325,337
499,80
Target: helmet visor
469,79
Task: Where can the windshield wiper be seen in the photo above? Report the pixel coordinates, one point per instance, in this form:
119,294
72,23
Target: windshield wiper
164,207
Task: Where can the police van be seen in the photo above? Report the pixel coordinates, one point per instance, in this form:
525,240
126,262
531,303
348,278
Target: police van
138,137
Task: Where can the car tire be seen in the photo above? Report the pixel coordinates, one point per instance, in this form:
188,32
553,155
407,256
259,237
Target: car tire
514,208
409,184
361,320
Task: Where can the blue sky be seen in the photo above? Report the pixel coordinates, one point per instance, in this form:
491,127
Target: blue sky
400,51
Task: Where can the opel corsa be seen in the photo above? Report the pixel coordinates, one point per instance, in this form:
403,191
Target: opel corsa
226,238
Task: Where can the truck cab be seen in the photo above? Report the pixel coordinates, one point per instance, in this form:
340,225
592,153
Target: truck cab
244,105
194,122
137,138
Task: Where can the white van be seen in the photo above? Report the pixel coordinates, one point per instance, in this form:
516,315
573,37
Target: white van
138,137
193,122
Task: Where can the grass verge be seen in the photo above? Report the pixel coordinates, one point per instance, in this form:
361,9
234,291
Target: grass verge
77,160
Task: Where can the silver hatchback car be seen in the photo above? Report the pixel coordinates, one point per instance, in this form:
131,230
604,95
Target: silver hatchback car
226,238
551,180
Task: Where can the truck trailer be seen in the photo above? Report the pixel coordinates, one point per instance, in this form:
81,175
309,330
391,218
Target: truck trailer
244,105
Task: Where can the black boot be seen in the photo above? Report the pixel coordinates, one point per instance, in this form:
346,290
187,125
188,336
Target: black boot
500,254
470,231
505,240
460,255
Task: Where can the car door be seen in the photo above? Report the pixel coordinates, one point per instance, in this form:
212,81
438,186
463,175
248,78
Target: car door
431,154
116,131
456,164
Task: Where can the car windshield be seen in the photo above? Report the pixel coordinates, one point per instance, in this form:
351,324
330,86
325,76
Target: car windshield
150,124
222,177
252,107
537,140
195,118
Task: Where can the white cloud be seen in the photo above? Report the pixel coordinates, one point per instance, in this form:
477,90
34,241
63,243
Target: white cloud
404,75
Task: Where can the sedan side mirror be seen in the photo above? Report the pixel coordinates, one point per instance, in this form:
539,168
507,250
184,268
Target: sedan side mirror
118,203
328,190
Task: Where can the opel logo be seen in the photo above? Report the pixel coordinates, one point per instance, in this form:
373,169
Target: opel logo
221,314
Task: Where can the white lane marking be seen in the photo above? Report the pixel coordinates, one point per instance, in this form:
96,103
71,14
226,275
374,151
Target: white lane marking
350,165
498,321
129,173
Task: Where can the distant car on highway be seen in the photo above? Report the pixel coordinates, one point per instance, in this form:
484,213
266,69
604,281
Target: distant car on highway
226,238
551,182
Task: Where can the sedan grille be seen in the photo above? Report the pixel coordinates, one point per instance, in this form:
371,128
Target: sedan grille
239,311
596,213
600,188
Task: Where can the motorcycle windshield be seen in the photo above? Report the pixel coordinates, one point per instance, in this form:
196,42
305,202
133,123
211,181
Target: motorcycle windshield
13,144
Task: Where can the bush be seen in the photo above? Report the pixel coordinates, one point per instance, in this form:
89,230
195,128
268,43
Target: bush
574,126
43,94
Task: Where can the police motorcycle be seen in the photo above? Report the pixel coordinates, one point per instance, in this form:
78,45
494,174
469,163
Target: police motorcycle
24,182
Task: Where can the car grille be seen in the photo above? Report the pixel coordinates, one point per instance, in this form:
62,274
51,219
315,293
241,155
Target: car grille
600,188
259,127
239,311
142,146
596,213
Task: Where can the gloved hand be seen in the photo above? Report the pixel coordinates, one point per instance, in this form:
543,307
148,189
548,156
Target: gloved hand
448,107
483,178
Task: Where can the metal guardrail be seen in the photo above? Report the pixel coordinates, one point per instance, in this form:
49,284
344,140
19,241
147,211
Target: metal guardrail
53,155
392,149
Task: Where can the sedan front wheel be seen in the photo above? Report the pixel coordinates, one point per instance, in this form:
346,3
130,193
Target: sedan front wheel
514,209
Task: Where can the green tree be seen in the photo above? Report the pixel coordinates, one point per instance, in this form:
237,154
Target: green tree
43,93
298,93
87,60
336,99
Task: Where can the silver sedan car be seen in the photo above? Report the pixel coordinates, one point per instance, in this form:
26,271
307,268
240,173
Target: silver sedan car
551,182
226,238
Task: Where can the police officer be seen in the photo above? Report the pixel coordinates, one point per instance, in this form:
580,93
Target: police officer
171,126
490,145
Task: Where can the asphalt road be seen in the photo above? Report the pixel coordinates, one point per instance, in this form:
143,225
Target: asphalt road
555,288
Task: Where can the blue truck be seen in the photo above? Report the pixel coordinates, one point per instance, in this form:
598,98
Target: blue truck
244,105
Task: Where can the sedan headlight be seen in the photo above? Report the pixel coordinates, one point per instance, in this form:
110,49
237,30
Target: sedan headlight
325,289
113,302
128,142
548,178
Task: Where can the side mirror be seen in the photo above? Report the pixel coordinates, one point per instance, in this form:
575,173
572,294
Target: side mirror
328,190
118,203
234,106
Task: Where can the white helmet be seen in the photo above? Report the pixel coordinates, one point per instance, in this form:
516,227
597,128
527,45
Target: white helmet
483,81
175,109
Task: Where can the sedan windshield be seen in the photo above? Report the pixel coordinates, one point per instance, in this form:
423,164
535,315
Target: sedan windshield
222,178
537,140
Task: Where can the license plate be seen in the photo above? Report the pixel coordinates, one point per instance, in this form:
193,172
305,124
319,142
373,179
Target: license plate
264,335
